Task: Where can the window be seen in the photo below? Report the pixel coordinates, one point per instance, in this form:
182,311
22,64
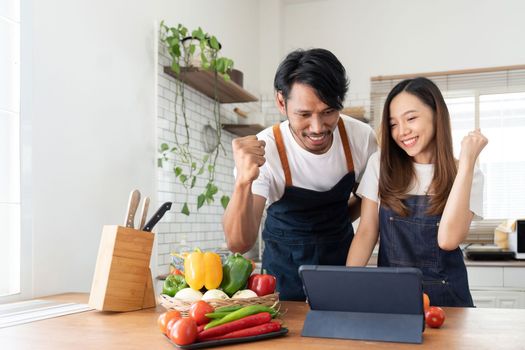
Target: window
502,119
10,232
494,100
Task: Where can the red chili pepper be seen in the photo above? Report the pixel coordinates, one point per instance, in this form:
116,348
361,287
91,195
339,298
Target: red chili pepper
262,284
269,327
200,328
245,322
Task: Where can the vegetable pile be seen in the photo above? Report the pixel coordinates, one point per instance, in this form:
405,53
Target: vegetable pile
206,323
205,277
434,315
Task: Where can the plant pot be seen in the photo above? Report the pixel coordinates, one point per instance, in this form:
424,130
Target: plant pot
195,59
236,76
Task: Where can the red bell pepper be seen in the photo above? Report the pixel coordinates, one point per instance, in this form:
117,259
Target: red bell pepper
262,284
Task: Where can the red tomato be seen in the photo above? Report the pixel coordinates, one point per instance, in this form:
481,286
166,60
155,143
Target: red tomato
176,272
170,324
198,311
184,331
165,318
435,316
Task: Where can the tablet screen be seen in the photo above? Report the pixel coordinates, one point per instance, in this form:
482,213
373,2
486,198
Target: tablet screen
363,289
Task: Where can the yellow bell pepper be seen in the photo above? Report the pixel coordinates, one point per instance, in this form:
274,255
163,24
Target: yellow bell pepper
203,270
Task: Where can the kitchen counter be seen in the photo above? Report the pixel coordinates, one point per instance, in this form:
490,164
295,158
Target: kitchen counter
464,328
468,262
509,263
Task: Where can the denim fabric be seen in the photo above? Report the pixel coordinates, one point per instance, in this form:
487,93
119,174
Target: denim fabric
306,227
412,241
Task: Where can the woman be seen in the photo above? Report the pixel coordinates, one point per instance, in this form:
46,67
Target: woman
417,197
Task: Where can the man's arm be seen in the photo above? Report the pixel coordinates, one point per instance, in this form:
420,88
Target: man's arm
243,215
242,219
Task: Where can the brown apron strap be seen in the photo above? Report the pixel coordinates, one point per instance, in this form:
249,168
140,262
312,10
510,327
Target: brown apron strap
282,154
346,146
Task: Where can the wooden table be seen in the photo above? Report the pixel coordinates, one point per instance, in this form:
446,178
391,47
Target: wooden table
463,329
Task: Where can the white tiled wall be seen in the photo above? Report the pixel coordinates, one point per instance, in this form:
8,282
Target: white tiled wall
201,228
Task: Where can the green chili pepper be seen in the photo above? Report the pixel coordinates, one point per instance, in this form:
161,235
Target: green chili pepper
245,311
228,309
220,312
216,315
235,273
173,284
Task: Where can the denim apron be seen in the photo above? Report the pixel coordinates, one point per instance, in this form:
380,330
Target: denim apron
412,241
307,227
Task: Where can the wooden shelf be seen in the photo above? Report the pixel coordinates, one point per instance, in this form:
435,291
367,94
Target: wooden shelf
204,81
243,129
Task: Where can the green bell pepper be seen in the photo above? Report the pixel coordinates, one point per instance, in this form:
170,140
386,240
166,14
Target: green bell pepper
173,284
235,273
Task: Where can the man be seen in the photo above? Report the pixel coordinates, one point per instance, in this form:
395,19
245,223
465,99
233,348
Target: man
304,169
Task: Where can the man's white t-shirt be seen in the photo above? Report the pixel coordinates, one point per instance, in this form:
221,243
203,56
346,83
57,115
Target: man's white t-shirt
369,185
318,172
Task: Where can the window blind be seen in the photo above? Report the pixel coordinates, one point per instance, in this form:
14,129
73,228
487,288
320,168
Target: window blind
492,99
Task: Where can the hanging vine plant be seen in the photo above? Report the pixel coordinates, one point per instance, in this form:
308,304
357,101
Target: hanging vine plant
185,50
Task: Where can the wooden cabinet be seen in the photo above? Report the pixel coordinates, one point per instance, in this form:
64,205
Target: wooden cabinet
497,286
499,299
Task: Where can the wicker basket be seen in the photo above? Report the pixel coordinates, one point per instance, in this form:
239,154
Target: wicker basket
183,307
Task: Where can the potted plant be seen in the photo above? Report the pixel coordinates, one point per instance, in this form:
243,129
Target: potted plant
188,167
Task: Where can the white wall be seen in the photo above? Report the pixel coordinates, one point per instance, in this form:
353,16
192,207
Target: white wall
93,130
92,108
234,22
91,88
385,37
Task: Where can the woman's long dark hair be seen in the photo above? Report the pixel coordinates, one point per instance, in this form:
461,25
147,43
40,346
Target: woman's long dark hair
397,171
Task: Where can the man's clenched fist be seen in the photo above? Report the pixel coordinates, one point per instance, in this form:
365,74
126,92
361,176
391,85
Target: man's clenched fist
248,153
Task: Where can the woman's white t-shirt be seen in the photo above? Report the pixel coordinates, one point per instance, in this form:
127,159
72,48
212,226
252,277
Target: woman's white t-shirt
369,185
318,172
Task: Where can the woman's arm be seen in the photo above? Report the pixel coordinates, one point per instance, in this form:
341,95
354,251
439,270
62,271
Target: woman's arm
366,236
457,216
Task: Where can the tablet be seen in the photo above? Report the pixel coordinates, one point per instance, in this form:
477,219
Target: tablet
383,303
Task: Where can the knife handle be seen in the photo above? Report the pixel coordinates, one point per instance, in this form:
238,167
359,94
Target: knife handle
133,204
145,206
157,216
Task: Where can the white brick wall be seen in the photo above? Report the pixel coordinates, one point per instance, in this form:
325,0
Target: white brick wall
201,228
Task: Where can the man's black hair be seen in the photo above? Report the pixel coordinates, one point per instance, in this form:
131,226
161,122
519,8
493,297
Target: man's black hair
318,68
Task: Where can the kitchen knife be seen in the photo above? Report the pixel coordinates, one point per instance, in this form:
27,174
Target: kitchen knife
145,206
157,216
133,204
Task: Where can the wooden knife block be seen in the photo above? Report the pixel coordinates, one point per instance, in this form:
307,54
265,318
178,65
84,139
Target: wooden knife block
122,280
